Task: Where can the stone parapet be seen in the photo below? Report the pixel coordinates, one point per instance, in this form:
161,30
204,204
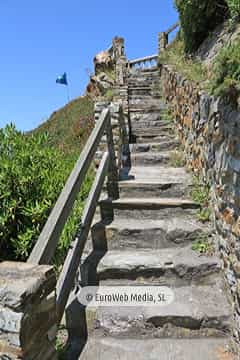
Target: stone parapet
28,323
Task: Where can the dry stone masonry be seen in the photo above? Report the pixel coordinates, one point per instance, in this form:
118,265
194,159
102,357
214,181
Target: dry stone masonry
28,324
209,131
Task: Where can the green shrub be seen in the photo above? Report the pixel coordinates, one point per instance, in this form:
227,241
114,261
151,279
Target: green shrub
225,80
198,18
32,174
175,56
234,7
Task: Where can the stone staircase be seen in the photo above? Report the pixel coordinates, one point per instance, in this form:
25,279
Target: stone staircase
145,238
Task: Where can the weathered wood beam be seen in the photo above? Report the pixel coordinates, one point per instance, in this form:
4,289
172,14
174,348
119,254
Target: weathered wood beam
140,60
172,28
67,276
47,242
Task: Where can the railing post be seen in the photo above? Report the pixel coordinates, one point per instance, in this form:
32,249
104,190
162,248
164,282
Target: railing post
121,61
113,174
162,41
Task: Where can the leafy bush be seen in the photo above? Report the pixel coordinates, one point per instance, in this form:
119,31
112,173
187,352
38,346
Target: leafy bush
225,80
234,7
32,174
198,18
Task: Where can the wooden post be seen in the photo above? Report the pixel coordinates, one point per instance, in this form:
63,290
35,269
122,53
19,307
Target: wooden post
113,176
162,41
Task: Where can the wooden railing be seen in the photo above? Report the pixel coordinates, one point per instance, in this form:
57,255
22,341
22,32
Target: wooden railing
47,242
163,37
145,61
149,61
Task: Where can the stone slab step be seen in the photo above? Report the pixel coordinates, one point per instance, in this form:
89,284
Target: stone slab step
108,348
149,234
170,266
158,175
150,158
141,117
195,307
153,203
155,181
158,138
167,142
151,128
148,208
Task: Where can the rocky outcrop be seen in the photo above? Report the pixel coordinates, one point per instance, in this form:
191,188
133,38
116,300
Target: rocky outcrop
209,132
104,74
220,37
99,84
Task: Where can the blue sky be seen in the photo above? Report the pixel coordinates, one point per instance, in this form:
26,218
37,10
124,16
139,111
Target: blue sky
42,39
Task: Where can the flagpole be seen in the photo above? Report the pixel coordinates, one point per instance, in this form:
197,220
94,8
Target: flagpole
68,93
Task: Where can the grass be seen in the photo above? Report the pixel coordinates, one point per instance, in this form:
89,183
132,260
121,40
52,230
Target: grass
221,78
176,57
225,77
69,127
177,158
201,195
203,245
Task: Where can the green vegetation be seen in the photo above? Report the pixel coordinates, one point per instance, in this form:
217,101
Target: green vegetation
201,195
225,80
177,158
203,245
34,169
198,18
61,342
234,7
176,57
69,128
109,95
32,175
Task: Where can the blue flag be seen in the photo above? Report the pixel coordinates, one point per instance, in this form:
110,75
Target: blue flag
62,79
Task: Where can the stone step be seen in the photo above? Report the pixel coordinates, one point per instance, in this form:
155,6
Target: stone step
151,125
144,92
153,130
142,117
158,138
140,103
196,308
148,208
164,233
165,143
144,82
108,348
145,108
156,181
166,267
150,158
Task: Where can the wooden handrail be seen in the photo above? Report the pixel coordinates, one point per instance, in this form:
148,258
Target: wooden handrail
67,276
47,242
142,60
172,28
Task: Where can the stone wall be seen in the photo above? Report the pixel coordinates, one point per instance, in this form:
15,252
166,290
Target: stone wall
27,312
209,132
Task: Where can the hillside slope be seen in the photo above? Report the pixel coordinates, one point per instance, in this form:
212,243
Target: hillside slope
70,126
